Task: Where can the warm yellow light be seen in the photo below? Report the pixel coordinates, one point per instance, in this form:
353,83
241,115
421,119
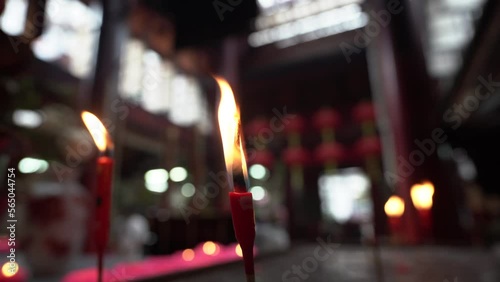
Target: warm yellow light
188,255
209,248
97,131
394,207
243,160
238,251
421,195
10,269
230,129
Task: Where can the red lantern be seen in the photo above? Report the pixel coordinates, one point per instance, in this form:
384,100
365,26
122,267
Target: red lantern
296,156
263,157
255,126
296,124
328,152
326,118
368,146
364,111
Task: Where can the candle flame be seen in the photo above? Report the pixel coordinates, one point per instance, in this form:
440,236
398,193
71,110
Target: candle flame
230,130
9,269
394,207
421,195
238,251
97,130
244,168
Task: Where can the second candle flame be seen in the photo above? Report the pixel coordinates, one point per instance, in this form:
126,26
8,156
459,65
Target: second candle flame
230,130
98,131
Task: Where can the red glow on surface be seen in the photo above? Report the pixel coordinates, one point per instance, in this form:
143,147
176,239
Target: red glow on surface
158,266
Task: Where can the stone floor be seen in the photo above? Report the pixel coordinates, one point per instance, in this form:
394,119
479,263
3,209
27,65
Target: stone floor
418,264
350,263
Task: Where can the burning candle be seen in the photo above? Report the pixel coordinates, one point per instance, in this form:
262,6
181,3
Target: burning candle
103,142
394,209
422,198
236,167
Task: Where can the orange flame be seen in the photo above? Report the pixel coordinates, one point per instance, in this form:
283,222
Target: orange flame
9,269
394,207
422,194
98,131
230,130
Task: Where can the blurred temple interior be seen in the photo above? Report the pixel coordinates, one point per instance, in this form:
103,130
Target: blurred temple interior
366,131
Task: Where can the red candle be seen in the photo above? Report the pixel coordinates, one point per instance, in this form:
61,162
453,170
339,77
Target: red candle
103,206
422,198
394,209
426,222
240,200
244,227
327,120
103,191
394,224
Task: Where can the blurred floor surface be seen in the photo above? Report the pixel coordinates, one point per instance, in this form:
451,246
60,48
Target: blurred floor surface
350,263
416,264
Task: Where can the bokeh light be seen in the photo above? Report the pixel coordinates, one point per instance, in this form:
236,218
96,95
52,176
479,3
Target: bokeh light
156,180
421,195
210,248
32,165
258,193
188,190
188,255
10,269
238,251
258,171
394,207
27,118
178,174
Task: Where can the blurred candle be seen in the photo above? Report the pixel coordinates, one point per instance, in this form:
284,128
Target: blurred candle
188,255
394,209
422,198
104,178
234,155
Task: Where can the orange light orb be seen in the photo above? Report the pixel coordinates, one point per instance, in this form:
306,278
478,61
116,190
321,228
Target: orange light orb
10,269
422,194
210,248
188,255
238,251
394,207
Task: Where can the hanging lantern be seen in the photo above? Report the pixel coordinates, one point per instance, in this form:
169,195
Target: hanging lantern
326,118
295,125
296,156
329,152
263,157
293,128
364,111
369,149
255,127
368,146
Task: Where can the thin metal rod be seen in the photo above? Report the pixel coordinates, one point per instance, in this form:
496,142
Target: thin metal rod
99,266
377,261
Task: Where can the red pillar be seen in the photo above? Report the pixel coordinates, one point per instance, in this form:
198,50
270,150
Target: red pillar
404,99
